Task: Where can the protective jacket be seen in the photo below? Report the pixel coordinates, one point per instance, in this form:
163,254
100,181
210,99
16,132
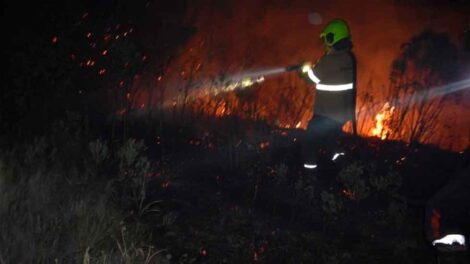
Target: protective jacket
335,78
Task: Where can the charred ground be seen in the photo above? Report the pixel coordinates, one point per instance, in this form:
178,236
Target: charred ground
234,193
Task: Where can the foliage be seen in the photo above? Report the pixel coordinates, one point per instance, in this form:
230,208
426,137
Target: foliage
428,60
59,209
331,204
352,178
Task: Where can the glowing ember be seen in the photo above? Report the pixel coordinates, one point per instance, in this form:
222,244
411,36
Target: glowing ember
102,72
349,193
121,111
381,130
90,63
264,145
255,256
165,184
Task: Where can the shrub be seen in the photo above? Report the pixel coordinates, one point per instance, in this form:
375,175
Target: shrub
62,209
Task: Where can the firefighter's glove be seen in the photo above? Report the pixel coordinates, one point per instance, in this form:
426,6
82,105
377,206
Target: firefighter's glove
303,70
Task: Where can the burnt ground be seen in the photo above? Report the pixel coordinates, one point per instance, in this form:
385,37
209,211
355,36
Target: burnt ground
240,195
218,191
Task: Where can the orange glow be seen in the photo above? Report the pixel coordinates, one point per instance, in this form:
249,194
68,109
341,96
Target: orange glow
221,48
381,129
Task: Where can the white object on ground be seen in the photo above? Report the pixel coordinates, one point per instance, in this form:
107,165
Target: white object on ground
450,239
310,166
336,155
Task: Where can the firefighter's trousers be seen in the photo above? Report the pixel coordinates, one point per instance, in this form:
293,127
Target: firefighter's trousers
322,136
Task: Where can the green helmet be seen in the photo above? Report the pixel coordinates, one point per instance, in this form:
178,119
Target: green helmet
335,31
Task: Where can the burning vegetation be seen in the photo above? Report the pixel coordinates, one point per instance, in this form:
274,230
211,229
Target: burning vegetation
169,132
198,79
382,129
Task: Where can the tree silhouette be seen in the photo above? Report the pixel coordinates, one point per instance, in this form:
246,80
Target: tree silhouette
426,61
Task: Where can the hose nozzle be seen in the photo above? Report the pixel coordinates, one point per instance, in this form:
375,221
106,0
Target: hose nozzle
293,67
304,67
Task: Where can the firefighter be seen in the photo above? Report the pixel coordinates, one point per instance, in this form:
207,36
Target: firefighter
334,76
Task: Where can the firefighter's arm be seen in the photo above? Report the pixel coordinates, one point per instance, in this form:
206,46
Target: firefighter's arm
310,72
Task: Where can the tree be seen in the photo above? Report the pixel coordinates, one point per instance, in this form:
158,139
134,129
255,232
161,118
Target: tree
426,61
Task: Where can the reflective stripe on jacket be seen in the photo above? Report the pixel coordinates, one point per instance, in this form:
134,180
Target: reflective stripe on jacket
335,77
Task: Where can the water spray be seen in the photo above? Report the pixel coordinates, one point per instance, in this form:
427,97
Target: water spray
249,78
229,83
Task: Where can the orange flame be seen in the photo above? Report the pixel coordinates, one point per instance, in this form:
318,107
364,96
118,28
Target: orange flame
381,129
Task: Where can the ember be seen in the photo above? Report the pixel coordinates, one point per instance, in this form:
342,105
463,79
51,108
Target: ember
349,193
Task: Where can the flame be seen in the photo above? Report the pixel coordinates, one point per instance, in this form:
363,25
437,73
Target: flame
221,110
381,129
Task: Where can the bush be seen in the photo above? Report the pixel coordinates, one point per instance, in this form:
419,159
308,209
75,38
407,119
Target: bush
57,208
